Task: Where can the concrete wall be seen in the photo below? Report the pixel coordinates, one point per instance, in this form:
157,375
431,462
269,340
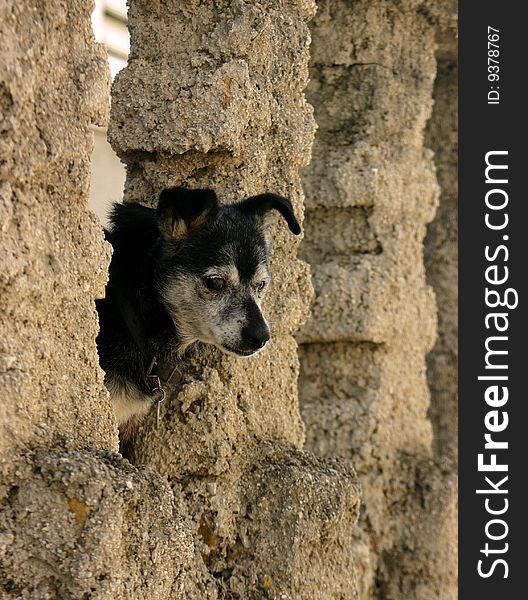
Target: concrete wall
370,191
233,503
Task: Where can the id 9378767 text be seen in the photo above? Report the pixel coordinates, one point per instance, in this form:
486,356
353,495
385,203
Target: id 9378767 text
493,65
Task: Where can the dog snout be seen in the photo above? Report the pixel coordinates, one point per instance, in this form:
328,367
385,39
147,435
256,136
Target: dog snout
256,334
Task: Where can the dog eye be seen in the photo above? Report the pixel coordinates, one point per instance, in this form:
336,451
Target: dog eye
260,286
216,284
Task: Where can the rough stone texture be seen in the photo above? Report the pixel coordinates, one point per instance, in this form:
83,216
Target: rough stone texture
370,192
53,259
213,97
441,252
89,525
76,520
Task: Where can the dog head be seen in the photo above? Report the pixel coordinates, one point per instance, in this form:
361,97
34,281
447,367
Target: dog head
213,270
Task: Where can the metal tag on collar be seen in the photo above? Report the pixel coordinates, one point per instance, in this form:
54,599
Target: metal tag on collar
160,392
158,403
157,388
157,385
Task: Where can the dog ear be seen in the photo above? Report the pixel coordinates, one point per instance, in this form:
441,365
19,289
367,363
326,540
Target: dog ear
264,202
181,210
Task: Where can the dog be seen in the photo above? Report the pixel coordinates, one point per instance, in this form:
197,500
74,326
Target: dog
193,271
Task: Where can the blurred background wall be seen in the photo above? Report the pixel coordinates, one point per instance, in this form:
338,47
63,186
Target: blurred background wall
109,21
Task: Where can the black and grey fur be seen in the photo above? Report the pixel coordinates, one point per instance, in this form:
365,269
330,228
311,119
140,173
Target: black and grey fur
191,271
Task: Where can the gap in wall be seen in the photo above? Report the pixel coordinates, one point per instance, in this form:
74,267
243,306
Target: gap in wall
109,21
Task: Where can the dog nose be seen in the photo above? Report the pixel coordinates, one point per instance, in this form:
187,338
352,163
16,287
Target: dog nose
256,334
